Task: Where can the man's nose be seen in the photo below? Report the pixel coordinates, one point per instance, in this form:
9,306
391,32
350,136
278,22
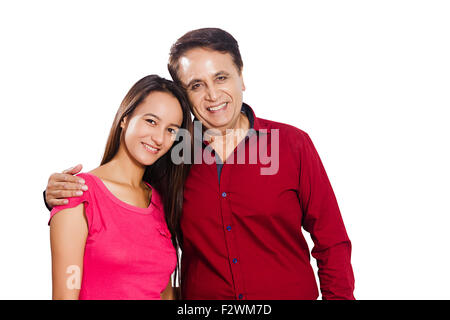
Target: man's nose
211,93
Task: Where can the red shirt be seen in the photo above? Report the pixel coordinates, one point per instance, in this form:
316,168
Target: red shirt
242,236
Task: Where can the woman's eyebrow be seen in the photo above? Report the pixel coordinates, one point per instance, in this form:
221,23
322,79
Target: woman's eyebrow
153,115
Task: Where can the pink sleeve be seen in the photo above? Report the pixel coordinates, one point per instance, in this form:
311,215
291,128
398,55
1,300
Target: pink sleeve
75,201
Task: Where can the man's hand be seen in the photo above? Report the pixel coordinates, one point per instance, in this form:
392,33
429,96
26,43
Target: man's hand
64,185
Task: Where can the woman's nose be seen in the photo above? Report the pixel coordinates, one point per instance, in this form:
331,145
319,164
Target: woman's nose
158,137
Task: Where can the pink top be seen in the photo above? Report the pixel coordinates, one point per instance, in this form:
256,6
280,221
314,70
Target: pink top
129,252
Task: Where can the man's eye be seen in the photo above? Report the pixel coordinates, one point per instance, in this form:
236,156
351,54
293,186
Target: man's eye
195,86
222,78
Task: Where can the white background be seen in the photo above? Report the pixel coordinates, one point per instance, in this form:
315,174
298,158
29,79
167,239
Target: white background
368,80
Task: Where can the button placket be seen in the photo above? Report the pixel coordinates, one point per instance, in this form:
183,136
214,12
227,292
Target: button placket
226,200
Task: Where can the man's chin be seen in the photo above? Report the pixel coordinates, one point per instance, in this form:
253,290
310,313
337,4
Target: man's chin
212,124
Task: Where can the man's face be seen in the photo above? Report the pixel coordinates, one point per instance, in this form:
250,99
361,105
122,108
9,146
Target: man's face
214,86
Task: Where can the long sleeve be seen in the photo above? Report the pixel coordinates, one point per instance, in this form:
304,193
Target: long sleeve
322,219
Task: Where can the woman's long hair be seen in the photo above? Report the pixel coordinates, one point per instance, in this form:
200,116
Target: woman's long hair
165,176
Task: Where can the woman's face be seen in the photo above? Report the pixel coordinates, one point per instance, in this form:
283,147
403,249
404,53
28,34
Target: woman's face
151,129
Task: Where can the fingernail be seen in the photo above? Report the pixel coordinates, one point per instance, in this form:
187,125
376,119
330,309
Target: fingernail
84,187
79,193
81,181
66,201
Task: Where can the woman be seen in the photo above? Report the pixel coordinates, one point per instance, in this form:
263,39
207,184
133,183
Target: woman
120,238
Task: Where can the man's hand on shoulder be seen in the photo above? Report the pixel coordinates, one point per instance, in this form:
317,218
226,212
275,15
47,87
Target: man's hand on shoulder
64,185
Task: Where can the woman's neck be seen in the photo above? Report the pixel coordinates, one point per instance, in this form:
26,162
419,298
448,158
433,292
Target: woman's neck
124,169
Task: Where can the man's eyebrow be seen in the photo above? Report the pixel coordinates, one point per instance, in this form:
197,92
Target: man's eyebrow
158,118
220,73
192,82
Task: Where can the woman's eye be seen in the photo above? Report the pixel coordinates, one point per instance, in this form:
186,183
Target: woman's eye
172,131
151,121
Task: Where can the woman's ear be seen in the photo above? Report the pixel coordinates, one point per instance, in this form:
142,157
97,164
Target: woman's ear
123,123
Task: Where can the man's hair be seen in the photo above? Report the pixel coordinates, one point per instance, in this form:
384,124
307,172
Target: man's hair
209,38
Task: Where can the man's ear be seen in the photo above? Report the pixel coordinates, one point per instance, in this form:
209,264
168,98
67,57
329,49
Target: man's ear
242,80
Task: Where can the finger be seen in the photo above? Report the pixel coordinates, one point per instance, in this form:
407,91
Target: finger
74,170
67,186
57,202
61,194
64,177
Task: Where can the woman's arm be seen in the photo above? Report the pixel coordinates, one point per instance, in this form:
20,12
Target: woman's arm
68,233
168,293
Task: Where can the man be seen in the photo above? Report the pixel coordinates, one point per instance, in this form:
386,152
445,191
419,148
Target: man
241,219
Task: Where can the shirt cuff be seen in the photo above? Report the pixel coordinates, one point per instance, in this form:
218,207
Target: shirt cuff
46,204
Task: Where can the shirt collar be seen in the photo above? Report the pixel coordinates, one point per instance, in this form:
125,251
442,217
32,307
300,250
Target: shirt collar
245,109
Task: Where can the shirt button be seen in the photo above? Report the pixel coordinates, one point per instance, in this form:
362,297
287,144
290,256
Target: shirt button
234,260
224,194
229,228
241,296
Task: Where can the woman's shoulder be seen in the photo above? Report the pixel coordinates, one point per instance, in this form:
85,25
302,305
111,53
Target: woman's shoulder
93,179
85,198
87,177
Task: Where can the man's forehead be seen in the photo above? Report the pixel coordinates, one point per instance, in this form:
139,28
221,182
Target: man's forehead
185,63
204,57
204,63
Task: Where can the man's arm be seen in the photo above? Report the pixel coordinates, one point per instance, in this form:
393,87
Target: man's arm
63,185
322,219
68,233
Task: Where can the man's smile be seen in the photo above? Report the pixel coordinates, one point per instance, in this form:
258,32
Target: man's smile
217,107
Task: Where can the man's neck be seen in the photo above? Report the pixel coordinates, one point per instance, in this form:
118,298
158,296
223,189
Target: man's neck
242,124
225,143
